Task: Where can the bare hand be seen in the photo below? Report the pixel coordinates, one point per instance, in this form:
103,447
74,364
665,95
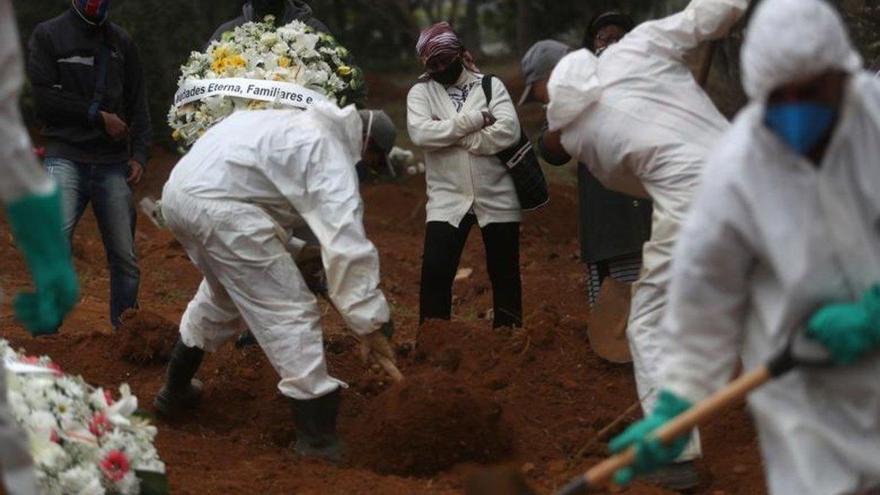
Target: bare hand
135,172
488,119
115,127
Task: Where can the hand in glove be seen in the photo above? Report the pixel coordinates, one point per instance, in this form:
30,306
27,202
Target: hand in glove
378,343
36,224
849,330
650,453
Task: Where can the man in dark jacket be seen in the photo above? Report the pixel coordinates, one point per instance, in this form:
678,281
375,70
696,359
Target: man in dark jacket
89,93
284,11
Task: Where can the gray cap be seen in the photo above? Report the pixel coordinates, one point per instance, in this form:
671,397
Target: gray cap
378,125
538,63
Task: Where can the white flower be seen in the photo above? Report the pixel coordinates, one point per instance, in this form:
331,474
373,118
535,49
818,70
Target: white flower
48,456
82,480
72,427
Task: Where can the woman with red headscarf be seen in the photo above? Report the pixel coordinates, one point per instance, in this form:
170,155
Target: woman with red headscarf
448,116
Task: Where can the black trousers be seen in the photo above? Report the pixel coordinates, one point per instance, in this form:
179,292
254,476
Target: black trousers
443,247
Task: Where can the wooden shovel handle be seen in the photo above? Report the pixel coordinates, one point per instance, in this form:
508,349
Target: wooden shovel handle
706,410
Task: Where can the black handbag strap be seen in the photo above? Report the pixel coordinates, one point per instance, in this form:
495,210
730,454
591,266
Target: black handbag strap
487,88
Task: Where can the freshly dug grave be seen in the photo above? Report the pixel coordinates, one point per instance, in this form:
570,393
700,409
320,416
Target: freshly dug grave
429,423
554,394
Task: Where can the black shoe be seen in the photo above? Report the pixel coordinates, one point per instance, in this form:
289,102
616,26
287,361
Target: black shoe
315,423
245,339
681,476
181,391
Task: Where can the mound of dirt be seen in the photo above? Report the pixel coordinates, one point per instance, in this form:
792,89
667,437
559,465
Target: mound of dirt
428,423
146,337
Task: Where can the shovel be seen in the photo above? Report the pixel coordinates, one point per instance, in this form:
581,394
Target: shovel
800,353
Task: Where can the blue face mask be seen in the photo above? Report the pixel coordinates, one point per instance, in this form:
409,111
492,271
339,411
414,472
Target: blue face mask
800,125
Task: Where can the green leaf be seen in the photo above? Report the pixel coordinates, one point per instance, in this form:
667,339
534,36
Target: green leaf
153,483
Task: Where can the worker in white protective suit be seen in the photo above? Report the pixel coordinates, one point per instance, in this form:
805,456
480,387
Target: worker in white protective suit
644,126
784,238
232,202
33,208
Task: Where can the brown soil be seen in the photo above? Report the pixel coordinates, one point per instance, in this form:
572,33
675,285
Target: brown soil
553,393
428,423
146,337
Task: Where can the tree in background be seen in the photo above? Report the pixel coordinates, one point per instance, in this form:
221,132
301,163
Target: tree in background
382,33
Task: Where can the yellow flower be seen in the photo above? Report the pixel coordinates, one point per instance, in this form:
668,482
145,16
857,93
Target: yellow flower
222,51
283,62
344,70
176,135
219,66
237,61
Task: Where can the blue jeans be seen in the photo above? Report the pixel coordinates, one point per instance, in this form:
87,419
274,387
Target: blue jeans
105,185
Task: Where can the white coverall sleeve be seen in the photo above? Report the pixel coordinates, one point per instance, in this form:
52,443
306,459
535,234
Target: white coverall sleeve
702,20
709,294
324,190
22,175
430,133
504,133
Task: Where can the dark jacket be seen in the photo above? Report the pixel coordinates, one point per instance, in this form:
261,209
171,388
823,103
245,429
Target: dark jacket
611,224
296,10
63,55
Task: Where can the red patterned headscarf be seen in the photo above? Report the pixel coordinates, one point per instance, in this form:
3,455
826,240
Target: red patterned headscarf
93,11
439,46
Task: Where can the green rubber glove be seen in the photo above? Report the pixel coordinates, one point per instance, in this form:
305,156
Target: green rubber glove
849,330
36,224
650,453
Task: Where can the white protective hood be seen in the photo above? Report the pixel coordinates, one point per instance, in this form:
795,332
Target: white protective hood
793,40
573,87
349,121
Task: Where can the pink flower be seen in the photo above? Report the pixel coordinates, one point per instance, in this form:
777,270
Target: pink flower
53,437
56,369
99,425
33,360
115,466
108,397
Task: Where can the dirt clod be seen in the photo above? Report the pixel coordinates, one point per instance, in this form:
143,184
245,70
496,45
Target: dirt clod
146,337
428,423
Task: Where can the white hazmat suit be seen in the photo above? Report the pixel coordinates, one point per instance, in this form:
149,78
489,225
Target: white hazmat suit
641,122
771,239
21,176
233,202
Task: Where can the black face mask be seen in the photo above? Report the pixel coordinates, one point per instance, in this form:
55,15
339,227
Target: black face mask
262,8
449,75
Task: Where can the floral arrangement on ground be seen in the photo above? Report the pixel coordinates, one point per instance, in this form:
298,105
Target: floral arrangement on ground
84,440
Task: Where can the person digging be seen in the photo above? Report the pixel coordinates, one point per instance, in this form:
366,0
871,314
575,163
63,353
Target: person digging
783,239
232,202
640,120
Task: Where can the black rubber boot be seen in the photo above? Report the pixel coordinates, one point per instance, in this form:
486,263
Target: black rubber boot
315,423
181,390
245,339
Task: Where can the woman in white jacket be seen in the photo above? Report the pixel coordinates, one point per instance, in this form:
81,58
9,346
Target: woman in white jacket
448,116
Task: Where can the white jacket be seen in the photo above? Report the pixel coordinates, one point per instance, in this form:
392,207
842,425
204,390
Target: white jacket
462,170
21,175
297,165
772,238
636,115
